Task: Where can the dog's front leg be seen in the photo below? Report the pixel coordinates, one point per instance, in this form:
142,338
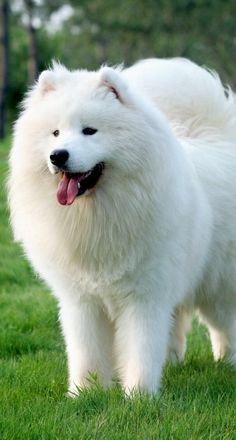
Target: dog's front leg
141,343
88,337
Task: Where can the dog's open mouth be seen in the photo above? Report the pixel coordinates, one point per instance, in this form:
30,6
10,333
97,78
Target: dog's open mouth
73,185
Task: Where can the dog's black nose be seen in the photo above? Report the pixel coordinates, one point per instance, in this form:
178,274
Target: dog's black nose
59,157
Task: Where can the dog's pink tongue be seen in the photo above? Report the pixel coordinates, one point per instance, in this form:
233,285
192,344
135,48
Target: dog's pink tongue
67,189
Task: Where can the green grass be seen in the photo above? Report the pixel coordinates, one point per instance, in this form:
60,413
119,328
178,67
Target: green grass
198,400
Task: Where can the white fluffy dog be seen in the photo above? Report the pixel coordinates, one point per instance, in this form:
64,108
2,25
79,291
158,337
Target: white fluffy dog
122,190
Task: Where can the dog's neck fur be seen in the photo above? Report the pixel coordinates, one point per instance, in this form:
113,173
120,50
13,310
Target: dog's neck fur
95,231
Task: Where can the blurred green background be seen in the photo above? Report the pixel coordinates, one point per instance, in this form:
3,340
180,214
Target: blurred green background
86,33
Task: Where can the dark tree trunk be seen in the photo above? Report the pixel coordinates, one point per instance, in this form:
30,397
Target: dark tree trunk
33,52
4,62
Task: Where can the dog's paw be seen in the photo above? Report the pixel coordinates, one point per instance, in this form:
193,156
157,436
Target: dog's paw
72,393
174,357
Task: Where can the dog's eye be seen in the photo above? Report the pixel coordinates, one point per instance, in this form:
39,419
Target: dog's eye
56,133
89,131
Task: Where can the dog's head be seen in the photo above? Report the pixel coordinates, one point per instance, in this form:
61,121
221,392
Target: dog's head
81,126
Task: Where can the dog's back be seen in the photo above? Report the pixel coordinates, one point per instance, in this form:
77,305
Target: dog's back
193,98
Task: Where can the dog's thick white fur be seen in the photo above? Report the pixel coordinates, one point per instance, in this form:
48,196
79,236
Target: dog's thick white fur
156,237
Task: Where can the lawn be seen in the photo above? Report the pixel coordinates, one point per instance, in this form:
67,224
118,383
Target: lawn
197,401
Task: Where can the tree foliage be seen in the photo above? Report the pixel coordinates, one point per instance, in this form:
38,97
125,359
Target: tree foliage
99,31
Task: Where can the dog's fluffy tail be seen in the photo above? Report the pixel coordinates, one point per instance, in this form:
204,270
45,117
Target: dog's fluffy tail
194,99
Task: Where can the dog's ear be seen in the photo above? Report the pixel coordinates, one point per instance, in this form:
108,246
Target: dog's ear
49,79
46,82
113,80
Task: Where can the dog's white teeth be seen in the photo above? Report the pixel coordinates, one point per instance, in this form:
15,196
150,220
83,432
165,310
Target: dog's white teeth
87,174
78,185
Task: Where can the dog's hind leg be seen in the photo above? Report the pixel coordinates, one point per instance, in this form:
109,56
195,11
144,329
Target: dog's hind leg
219,343
181,326
231,339
222,331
